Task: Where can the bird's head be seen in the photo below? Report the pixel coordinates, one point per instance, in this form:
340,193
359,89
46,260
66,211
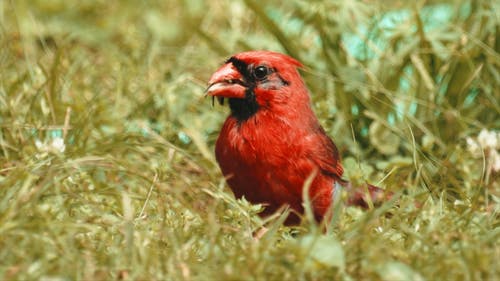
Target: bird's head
258,80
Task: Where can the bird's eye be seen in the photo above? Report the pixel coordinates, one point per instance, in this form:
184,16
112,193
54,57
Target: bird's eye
261,72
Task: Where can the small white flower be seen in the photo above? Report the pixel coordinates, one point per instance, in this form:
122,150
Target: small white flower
495,160
486,144
487,139
473,146
39,145
56,145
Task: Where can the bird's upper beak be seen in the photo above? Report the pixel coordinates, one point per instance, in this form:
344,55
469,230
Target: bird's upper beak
226,82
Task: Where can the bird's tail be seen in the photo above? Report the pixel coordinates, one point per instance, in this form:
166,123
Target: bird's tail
361,196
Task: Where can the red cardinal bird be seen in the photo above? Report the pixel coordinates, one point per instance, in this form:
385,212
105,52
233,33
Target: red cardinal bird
272,141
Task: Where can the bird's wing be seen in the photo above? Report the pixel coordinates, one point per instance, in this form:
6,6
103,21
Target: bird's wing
324,153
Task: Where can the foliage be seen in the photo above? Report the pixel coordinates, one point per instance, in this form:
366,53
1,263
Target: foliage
106,139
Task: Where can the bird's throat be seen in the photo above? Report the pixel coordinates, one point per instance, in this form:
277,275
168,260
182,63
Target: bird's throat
242,109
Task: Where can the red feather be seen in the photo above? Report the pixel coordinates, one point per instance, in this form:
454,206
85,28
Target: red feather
272,141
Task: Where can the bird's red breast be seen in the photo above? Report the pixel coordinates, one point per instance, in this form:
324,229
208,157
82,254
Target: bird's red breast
272,141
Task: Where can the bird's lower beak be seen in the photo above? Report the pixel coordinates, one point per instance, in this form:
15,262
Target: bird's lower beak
226,82
226,89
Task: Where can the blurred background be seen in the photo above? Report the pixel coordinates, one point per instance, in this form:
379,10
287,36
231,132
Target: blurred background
107,168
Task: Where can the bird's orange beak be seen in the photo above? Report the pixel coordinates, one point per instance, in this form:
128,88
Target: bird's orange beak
226,82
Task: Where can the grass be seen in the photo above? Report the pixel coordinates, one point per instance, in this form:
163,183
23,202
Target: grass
106,140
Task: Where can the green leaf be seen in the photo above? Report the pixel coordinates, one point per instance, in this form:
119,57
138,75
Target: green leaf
325,250
398,271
